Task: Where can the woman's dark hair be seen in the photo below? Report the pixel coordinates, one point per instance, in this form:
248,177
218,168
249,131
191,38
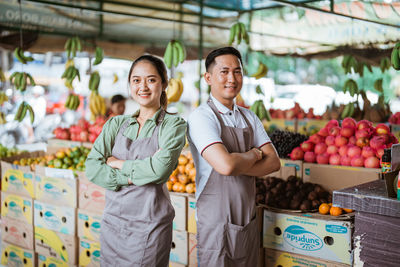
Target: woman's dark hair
117,98
162,71
228,50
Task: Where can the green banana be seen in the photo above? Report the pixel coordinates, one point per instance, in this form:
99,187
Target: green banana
351,111
78,44
24,109
175,54
345,111
19,111
94,81
232,34
99,55
31,80
168,55
395,58
378,85
182,51
17,54
31,113
345,61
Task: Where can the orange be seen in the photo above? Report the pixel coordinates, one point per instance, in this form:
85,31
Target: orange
169,185
181,169
192,173
190,188
182,160
173,179
188,167
336,211
183,178
324,208
175,172
178,187
347,210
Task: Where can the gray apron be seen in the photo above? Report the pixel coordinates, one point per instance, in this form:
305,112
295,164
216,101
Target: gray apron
136,229
226,212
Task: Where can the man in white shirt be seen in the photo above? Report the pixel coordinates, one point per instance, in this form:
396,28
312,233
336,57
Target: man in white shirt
230,148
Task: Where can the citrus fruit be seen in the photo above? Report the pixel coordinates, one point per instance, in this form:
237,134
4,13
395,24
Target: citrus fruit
335,211
324,208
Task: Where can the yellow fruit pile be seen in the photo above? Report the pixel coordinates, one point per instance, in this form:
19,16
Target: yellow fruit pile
182,179
326,208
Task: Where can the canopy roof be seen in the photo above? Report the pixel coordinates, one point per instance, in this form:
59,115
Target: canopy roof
295,27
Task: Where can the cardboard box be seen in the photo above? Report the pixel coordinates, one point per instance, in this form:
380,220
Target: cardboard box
179,250
91,196
288,168
14,256
89,253
57,245
55,172
332,177
59,191
57,218
275,258
321,238
44,261
17,233
89,225
179,202
280,124
192,253
310,126
17,207
175,264
191,215
17,181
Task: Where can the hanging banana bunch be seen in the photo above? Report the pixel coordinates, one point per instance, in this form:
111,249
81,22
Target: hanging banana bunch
72,45
261,71
115,78
385,64
174,90
2,118
348,110
395,57
21,79
22,110
72,102
349,63
94,81
378,85
70,74
351,86
259,109
97,105
175,53
3,98
238,33
2,76
99,55
19,54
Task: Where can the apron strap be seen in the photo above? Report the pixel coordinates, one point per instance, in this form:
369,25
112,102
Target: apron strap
123,127
248,124
158,123
214,108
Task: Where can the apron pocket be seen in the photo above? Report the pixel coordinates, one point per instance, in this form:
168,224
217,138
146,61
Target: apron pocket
133,243
109,239
239,239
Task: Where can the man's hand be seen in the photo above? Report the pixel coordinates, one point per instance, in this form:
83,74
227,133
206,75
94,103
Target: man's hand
258,152
115,163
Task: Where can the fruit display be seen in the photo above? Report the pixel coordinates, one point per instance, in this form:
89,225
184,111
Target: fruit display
8,152
292,194
72,102
21,79
72,45
22,111
66,158
174,54
327,209
82,131
19,54
182,179
357,144
259,109
285,141
70,73
97,105
395,118
294,113
238,33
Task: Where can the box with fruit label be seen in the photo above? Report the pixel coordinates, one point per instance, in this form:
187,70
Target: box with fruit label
91,196
57,245
310,126
17,232
191,215
89,224
180,247
328,239
17,182
179,202
15,256
334,177
44,261
280,124
57,218
89,253
60,191
17,207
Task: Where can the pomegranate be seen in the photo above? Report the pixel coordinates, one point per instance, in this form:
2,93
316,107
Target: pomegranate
316,138
323,132
347,131
367,152
382,128
364,124
340,141
323,158
320,148
349,122
309,156
297,154
357,161
377,141
332,149
329,140
345,161
332,123
334,131
362,142
343,151
334,159
352,140
371,162
353,151
307,146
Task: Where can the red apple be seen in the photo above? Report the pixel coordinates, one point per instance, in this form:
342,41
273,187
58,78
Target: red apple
307,146
329,140
352,140
309,157
367,152
320,148
371,162
323,158
364,124
323,132
332,149
382,128
357,161
334,131
316,138
353,151
362,142
377,141
349,122
334,159
341,141
297,154
345,161
347,131
343,150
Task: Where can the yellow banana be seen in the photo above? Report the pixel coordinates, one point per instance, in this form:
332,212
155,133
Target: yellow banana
115,78
2,76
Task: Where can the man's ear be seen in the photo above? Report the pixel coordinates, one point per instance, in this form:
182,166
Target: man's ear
207,77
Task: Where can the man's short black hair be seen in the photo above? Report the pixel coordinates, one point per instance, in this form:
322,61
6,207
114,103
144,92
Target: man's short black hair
117,98
228,50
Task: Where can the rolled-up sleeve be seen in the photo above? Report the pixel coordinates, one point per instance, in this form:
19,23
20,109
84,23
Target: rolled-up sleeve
97,171
158,168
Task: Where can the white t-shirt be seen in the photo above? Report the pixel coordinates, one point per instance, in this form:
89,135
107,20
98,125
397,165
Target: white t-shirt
204,129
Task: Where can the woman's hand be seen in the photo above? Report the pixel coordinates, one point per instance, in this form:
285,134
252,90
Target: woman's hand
115,163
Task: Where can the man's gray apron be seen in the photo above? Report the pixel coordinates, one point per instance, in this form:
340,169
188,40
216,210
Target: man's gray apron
136,229
226,212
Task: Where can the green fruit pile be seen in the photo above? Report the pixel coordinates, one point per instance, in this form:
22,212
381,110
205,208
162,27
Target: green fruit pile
8,152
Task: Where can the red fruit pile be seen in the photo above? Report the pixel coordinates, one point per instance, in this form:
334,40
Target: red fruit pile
353,144
294,113
82,131
395,118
